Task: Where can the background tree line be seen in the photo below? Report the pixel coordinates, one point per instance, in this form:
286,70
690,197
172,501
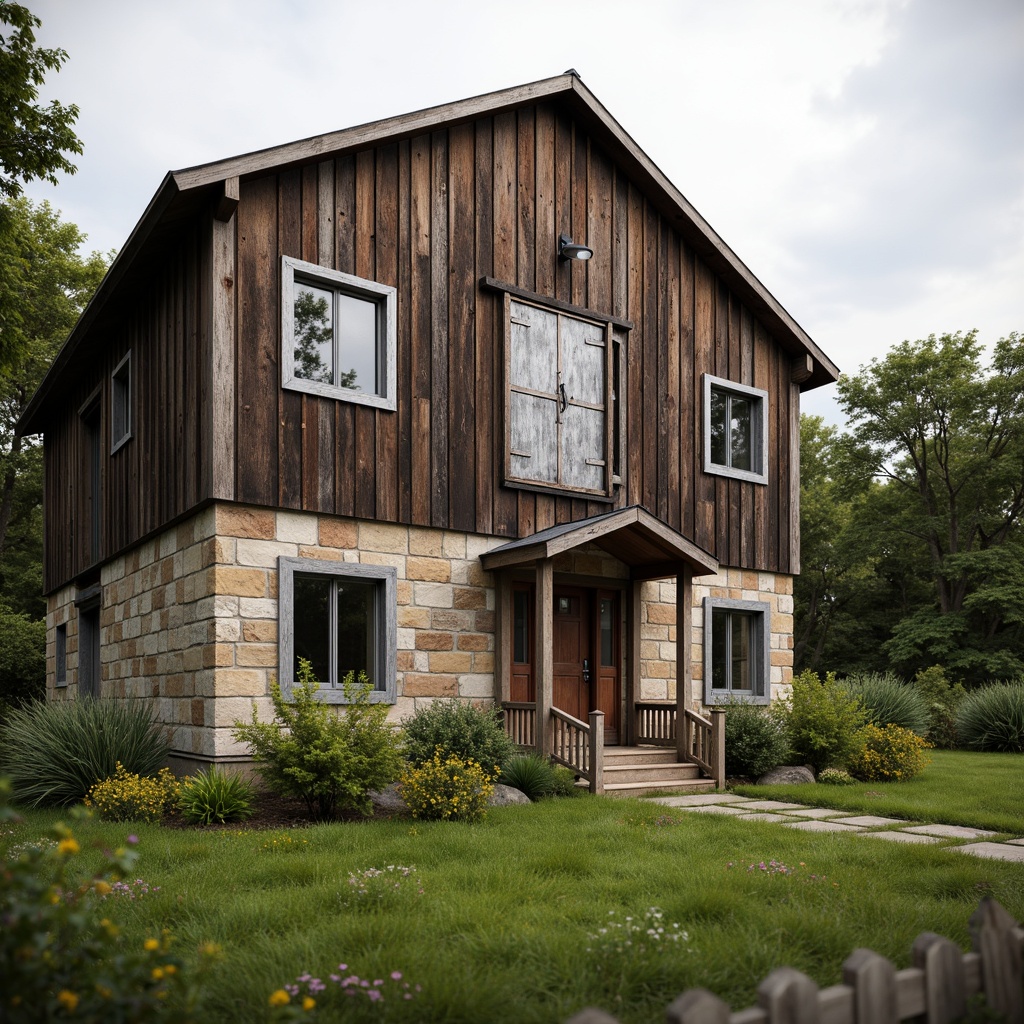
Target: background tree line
912,544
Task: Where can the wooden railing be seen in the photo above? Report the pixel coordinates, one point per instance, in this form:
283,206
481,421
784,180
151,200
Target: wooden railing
521,722
704,743
656,723
579,746
936,990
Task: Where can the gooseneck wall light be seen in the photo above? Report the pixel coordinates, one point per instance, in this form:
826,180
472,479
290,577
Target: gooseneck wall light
570,250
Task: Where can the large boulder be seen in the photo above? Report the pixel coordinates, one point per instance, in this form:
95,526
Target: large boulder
786,775
505,795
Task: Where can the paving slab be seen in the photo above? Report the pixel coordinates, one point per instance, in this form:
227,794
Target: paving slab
699,799
817,812
770,805
873,821
714,809
1016,842
902,837
763,816
993,851
951,831
823,826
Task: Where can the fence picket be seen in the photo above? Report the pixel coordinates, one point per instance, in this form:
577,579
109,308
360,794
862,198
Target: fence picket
873,980
993,935
790,997
698,1006
945,994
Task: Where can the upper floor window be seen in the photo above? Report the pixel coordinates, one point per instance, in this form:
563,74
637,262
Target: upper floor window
736,656
121,403
563,426
735,430
337,334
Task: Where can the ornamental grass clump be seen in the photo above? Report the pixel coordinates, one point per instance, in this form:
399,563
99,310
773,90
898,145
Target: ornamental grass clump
889,754
447,788
530,774
992,719
889,701
328,758
55,752
215,796
126,796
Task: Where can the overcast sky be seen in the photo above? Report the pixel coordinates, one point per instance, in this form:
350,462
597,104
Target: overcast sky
865,158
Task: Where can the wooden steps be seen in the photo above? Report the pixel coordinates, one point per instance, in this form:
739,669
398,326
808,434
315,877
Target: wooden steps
637,771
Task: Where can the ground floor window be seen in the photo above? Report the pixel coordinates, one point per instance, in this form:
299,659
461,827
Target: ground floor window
342,618
736,660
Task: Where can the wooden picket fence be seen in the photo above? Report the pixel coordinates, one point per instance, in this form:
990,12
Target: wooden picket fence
935,990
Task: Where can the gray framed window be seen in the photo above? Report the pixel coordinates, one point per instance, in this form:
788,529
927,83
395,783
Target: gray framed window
735,430
121,403
736,658
338,335
60,676
343,618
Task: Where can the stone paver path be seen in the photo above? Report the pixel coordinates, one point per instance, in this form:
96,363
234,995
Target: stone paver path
825,819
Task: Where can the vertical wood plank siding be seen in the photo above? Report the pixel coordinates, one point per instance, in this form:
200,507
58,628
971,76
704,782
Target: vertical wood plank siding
431,215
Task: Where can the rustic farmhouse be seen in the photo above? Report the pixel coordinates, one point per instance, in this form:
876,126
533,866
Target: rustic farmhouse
471,399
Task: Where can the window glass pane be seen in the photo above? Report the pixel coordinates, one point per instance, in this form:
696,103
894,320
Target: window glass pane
62,653
739,431
312,625
719,649
521,627
314,333
719,450
357,622
740,654
607,647
357,344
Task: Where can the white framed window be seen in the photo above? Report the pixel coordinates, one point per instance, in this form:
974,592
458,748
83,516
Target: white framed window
736,658
735,430
338,335
121,403
563,414
342,617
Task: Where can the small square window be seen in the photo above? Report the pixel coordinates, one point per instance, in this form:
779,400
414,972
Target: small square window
341,618
337,335
736,660
121,403
735,430
61,655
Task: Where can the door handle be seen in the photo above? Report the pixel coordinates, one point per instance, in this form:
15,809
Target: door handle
565,398
586,670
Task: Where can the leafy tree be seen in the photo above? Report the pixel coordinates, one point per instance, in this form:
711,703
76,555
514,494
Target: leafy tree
945,439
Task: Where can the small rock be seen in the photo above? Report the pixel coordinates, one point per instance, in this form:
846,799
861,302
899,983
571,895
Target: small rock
786,775
505,795
387,801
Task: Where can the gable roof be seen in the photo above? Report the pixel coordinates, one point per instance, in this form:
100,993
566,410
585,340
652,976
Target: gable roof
184,193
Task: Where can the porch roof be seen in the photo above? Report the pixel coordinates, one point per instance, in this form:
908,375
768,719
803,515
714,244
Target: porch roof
651,548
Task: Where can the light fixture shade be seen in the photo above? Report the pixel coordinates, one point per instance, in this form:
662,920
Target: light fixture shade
570,250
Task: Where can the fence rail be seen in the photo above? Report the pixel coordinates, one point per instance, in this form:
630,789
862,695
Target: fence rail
570,743
935,990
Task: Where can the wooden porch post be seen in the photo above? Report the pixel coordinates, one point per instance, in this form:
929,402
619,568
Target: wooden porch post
684,669
596,751
632,659
544,631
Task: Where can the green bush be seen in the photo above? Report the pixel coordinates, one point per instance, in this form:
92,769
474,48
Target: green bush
889,701
446,788
215,796
564,782
460,728
942,699
824,722
756,738
55,752
129,797
530,774
22,658
890,754
992,718
331,761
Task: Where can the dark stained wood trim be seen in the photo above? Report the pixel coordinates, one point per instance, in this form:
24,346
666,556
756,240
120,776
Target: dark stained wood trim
494,285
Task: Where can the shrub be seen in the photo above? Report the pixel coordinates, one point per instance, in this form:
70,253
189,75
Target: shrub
530,774
889,701
942,699
836,777
331,761
993,718
459,728
215,796
447,788
564,782
129,797
22,658
890,754
756,738
56,752
824,722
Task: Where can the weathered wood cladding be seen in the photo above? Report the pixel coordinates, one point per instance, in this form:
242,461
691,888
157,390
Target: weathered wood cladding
164,469
432,215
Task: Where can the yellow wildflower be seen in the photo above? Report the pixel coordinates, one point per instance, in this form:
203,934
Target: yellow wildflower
68,1000
102,888
151,945
308,1003
279,998
68,846
157,974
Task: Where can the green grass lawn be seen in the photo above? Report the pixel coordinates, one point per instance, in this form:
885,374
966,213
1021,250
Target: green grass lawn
503,930
958,788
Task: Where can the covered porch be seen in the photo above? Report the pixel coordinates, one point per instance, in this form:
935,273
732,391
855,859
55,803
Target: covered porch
549,653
